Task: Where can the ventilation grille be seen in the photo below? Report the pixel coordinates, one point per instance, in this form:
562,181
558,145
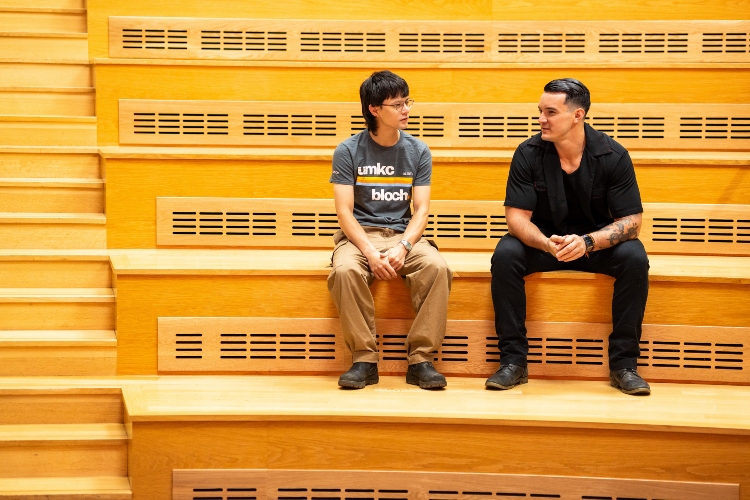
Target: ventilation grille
277,346
426,126
692,355
557,351
181,123
157,39
471,226
726,43
317,41
715,127
544,43
224,223
521,127
284,125
643,43
284,484
257,41
627,127
441,43
455,348
700,230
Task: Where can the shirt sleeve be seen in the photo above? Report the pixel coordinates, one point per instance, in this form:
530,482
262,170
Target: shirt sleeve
623,195
519,191
424,168
343,167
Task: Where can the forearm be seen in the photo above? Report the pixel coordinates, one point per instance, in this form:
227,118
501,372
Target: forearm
355,233
416,226
528,233
622,229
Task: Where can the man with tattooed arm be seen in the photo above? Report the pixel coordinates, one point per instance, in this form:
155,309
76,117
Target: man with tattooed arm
572,202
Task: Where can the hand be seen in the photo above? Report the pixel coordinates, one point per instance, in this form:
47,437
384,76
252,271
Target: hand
380,266
569,247
397,256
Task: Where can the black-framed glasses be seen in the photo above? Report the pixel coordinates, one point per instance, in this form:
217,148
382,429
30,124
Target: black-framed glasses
398,106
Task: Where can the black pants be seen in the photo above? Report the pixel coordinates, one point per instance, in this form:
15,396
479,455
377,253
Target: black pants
626,262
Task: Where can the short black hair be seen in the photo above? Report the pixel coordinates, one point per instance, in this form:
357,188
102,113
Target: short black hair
378,87
575,92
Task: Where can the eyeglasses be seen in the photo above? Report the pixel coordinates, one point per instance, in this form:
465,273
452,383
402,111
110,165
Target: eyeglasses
407,103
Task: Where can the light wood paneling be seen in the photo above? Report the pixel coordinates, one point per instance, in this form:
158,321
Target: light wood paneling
316,40
30,163
70,488
308,484
52,231
54,273
51,196
510,85
278,345
39,19
57,316
52,407
27,73
47,131
49,4
448,125
58,46
55,102
63,460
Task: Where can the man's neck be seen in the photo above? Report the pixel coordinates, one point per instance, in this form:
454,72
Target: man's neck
386,138
570,149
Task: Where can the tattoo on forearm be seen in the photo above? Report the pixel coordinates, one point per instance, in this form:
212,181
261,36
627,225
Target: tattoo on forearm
621,230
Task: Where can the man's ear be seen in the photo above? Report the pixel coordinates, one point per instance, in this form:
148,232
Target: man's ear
374,110
579,114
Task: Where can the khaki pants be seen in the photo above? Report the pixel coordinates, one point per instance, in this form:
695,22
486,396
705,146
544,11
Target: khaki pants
427,277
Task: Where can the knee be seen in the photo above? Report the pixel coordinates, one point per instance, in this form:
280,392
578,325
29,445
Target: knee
632,257
347,271
509,253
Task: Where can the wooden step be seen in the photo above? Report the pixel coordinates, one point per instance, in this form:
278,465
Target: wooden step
30,230
33,403
62,101
65,488
63,450
48,4
57,309
48,130
58,353
52,195
55,269
41,19
49,162
48,46
24,72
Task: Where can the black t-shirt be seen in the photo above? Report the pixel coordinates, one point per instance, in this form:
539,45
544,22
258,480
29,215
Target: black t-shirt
576,221
605,185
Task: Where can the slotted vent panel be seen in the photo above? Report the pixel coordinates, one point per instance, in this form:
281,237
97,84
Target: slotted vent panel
425,126
697,355
557,351
541,43
281,125
317,41
701,230
715,127
726,43
238,40
441,43
470,226
643,43
219,223
630,127
314,224
497,126
455,348
181,123
158,39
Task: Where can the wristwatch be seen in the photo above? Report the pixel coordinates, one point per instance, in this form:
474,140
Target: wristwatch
406,244
589,241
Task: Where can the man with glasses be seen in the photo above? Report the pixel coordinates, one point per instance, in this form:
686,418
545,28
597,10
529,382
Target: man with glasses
377,175
572,202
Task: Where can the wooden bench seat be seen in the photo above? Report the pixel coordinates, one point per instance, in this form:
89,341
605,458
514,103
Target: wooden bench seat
179,311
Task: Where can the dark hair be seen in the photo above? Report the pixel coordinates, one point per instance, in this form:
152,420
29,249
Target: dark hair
380,86
575,92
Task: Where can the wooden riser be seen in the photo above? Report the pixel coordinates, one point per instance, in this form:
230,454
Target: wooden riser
41,47
38,407
29,164
74,488
49,272
134,184
48,4
57,316
42,199
63,460
47,133
56,22
30,74
62,235
141,300
78,103
57,361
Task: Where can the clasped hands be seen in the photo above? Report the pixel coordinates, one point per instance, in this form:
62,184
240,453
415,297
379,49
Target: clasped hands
566,248
385,265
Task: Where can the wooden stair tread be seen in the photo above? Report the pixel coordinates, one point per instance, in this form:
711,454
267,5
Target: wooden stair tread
32,34
45,10
60,90
49,149
52,182
58,338
110,488
57,295
39,255
62,432
702,158
466,264
48,118
53,218
31,60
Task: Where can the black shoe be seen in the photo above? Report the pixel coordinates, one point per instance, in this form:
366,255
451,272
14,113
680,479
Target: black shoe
507,377
360,375
425,376
629,382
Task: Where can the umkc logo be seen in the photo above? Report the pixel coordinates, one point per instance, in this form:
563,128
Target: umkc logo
376,170
384,195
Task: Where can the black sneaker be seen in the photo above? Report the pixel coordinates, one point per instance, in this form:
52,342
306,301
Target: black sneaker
360,375
425,376
507,377
629,382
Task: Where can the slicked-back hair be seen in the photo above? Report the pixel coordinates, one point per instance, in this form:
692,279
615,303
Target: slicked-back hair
576,93
378,87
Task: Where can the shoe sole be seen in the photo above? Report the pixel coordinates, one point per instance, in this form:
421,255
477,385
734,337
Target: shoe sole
495,385
640,391
435,384
351,384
